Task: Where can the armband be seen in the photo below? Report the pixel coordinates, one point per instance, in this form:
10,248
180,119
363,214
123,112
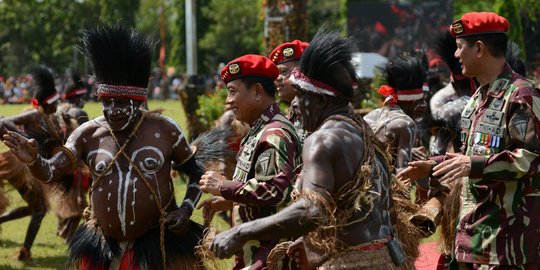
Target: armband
72,158
188,204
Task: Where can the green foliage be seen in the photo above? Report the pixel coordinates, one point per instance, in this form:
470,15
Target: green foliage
125,10
234,29
211,107
321,12
47,38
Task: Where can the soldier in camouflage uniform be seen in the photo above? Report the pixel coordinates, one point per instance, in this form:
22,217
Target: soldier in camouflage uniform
287,57
269,154
498,218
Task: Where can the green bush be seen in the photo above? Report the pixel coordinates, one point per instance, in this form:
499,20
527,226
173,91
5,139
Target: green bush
211,107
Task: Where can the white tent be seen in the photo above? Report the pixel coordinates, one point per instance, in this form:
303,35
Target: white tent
365,63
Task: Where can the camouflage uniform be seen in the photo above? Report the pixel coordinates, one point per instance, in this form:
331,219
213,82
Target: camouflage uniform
295,120
263,178
500,200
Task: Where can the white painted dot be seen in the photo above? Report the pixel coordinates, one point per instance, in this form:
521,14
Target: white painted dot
100,189
100,140
84,140
157,135
110,226
108,209
132,222
110,182
133,203
173,134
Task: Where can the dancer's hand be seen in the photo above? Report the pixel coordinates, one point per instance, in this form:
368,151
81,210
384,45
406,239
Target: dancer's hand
416,170
227,243
178,220
212,205
26,150
303,257
211,183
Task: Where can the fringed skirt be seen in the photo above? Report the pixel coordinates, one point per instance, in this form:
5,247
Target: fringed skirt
90,249
378,259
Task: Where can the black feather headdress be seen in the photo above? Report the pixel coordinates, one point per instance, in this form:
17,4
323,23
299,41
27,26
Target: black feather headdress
43,86
513,59
74,86
120,55
446,47
328,59
407,71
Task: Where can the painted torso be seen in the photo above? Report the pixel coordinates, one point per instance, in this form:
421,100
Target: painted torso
122,202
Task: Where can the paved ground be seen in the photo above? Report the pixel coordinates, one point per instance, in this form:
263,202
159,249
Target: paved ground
429,256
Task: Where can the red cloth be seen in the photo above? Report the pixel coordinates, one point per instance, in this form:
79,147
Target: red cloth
288,51
388,92
128,262
249,66
85,179
475,23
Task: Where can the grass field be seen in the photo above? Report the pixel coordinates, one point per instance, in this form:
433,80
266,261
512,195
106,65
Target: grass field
49,250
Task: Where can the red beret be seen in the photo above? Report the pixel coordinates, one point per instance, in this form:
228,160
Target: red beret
476,23
249,66
288,51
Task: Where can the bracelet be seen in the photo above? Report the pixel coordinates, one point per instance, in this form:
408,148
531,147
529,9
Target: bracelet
188,204
72,158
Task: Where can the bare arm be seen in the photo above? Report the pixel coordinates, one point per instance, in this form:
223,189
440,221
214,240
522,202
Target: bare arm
11,123
405,132
298,218
46,170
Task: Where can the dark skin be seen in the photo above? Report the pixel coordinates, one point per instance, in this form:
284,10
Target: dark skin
399,134
124,206
25,123
331,156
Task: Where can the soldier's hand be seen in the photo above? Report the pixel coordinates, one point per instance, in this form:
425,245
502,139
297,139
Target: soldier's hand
454,168
178,220
26,150
227,243
417,170
211,182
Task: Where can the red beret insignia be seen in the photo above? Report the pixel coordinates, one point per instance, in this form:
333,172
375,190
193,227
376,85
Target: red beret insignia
478,23
288,51
234,68
249,66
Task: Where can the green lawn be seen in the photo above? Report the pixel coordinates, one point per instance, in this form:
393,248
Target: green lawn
49,251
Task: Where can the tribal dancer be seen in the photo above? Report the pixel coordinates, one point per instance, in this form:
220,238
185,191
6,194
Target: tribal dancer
404,103
133,221
71,204
39,123
343,208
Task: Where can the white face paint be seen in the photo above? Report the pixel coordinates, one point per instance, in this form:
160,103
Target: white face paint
120,113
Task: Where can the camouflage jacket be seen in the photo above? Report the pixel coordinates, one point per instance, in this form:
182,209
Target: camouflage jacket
264,177
500,200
